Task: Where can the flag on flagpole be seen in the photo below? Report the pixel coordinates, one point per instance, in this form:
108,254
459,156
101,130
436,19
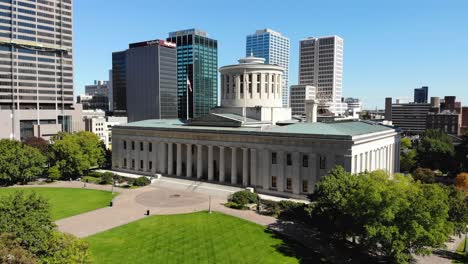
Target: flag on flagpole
189,85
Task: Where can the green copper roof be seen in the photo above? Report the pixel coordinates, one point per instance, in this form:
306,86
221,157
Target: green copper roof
349,128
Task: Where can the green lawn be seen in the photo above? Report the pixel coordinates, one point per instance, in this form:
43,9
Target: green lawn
67,202
189,238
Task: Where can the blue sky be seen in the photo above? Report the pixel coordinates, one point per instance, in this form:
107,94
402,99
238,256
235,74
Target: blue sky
391,47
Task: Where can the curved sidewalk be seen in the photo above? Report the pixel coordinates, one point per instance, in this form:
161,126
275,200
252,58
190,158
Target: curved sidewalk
131,205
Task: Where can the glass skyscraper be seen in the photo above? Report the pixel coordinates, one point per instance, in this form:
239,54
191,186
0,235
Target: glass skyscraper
274,48
197,60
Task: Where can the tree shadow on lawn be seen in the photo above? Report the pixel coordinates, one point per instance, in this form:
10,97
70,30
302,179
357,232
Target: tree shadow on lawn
307,245
443,253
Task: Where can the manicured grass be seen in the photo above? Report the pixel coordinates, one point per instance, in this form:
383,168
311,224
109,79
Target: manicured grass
189,238
65,202
462,257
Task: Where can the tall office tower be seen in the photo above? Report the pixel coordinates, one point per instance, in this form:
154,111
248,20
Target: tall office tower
149,90
274,48
36,69
119,83
197,62
421,95
321,65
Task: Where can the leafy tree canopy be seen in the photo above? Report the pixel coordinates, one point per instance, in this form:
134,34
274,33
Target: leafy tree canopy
436,150
19,162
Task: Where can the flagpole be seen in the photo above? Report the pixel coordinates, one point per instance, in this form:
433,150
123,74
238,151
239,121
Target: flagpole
187,89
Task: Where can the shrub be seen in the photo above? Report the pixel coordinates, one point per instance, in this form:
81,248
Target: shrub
461,181
142,181
424,175
244,197
234,205
107,178
271,208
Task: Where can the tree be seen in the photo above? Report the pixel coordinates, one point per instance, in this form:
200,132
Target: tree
424,175
436,150
393,218
19,162
53,173
74,154
407,155
30,234
461,181
458,212
11,251
330,199
462,152
38,143
28,218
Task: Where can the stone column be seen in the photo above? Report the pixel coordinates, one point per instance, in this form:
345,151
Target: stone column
189,161
179,160
199,162
253,167
170,157
210,163
245,166
234,165
222,176
162,157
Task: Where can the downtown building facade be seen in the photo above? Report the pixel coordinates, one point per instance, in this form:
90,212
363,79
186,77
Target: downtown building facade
36,69
197,64
299,95
321,65
275,49
149,87
240,143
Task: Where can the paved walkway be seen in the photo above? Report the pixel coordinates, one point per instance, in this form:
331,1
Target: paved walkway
442,256
131,205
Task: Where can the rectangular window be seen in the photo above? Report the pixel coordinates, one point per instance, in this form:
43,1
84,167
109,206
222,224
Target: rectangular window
273,158
125,162
133,163
273,182
133,145
288,160
323,162
141,164
289,184
150,165
125,144
141,146
305,161
305,186
150,147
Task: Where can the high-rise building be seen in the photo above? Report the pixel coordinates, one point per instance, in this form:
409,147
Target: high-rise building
119,83
274,48
149,90
321,65
421,95
299,94
36,69
197,63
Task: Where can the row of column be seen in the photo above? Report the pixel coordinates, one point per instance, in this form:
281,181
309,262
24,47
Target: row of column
230,85
379,159
167,165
